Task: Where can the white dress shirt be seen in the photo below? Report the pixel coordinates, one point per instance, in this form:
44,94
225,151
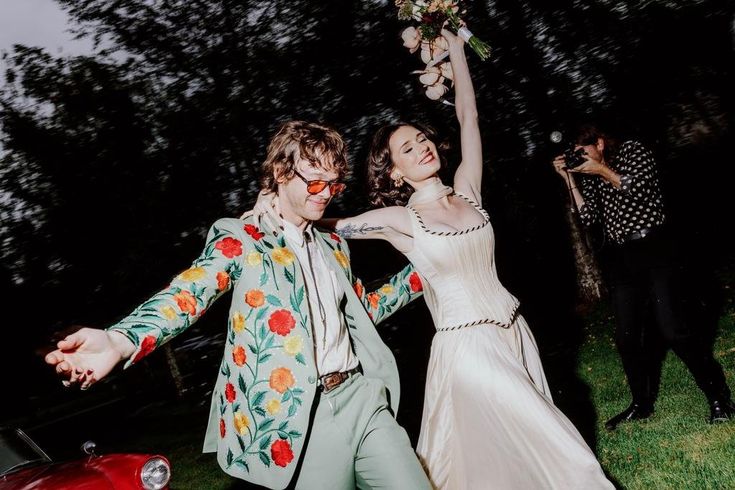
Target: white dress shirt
331,339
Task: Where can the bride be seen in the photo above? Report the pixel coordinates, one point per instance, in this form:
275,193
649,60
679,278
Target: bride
488,420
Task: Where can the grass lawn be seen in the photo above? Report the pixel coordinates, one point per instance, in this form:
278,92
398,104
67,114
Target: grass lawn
675,449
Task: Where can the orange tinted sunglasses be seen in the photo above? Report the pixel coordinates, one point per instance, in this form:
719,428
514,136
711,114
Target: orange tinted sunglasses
316,186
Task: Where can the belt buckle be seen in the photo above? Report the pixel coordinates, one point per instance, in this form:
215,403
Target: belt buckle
331,381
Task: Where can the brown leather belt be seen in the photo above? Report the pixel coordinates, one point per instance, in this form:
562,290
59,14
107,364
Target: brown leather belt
330,381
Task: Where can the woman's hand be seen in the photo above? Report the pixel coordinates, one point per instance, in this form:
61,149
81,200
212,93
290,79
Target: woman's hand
453,40
266,208
560,166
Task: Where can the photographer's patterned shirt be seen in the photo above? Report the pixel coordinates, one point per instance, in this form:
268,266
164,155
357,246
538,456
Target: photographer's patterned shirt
636,205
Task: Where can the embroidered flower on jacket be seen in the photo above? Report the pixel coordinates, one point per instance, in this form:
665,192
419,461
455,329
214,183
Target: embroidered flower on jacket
281,452
238,322
255,298
168,312
239,355
273,406
359,289
193,274
253,258
241,423
341,258
187,303
283,256
293,345
222,428
230,392
281,322
146,347
281,379
229,247
387,289
415,282
223,280
335,237
253,231
374,299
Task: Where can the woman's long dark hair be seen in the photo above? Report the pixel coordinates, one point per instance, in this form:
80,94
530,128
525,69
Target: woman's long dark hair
383,191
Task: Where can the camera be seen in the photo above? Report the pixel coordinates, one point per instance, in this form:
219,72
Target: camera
572,158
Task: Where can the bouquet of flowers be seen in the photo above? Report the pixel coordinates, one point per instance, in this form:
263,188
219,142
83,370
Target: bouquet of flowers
432,16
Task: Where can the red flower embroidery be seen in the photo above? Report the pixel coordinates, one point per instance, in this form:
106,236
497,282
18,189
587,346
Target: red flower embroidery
222,428
239,355
146,347
230,392
359,289
281,322
187,303
254,232
281,452
336,237
373,299
229,247
223,280
415,281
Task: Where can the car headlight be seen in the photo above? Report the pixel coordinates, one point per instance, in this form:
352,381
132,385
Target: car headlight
155,474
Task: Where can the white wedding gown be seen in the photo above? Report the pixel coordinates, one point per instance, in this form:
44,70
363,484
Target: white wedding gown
488,421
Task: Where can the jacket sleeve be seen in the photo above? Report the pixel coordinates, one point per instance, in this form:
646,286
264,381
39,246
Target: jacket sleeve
397,292
178,306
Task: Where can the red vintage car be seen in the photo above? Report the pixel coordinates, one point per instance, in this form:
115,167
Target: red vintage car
24,466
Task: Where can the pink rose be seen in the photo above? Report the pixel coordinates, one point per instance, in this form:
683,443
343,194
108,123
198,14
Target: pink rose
411,38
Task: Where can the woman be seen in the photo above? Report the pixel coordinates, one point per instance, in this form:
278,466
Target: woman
488,421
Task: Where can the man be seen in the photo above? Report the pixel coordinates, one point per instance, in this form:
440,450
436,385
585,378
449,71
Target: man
306,386
620,189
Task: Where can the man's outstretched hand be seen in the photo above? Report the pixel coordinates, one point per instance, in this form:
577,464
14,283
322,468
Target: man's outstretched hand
88,355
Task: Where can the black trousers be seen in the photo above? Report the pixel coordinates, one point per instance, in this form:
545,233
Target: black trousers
646,287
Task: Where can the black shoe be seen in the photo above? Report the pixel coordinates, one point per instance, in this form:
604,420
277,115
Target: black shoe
635,411
721,411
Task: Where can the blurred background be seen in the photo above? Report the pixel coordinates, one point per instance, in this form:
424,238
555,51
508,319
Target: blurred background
127,127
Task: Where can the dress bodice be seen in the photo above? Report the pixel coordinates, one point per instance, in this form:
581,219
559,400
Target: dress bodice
461,284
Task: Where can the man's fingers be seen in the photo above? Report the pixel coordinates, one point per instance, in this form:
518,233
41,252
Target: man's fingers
71,341
63,367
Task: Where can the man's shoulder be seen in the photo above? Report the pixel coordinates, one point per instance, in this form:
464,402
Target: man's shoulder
333,240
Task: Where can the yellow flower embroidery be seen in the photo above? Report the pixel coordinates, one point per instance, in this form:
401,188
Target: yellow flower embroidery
341,258
241,423
293,345
168,312
193,274
283,256
387,289
273,406
253,258
238,322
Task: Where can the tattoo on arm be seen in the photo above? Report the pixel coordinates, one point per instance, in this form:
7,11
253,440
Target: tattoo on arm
350,231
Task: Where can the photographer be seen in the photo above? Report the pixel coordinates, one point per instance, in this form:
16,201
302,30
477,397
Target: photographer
616,185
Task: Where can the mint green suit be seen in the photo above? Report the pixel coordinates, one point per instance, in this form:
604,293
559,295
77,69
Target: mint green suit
263,410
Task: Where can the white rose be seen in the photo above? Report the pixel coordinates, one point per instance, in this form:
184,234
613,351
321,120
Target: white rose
446,70
411,38
431,75
435,92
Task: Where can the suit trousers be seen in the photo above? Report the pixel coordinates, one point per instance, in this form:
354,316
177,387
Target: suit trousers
646,282
355,442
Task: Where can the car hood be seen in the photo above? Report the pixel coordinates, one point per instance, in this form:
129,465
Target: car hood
92,473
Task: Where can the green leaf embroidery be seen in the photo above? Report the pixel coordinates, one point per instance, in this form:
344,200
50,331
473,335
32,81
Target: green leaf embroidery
259,411
258,398
242,464
229,457
264,358
273,300
300,358
241,442
286,396
294,433
292,410
282,425
265,442
241,383
265,458
263,279
289,276
265,424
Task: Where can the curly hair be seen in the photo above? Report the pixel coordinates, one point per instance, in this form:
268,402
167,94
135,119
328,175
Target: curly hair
320,145
383,191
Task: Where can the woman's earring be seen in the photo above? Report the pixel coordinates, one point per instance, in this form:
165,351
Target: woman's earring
398,181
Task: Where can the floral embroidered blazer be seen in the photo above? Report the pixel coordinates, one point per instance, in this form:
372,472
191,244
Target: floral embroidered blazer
261,403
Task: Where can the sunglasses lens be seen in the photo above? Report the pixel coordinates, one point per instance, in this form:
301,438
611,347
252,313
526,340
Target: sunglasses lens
316,186
337,188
